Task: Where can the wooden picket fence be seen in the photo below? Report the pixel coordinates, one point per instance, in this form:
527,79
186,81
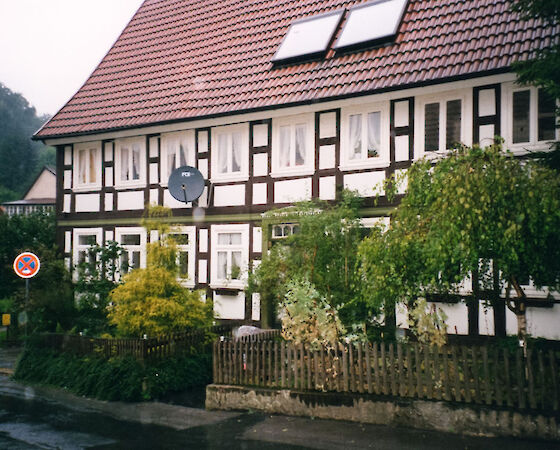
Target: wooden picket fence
480,375
142,349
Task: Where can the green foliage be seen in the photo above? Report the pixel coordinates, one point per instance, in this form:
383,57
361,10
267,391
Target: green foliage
23,157
307,318
98,275
151,301
323,252
114,379
474,206
428,323
50,291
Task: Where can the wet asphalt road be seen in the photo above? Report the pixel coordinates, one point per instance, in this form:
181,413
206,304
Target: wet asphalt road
37,424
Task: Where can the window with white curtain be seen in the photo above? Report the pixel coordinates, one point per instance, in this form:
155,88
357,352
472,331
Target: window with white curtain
230,153
130,161
177,150
87,165
293,145
230,255
83,240
365,136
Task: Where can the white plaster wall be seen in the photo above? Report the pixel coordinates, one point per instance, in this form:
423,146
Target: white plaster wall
203,168
327,157
203,240
401,148
327,188
544,322
170,202
108,176
154,173
154,196
67,241
108,201
153,147
327,125
403,185
202,271
259,193
66,205
288,191
130,200
67,155
401,114
368,184
486,135
109,152
87,202
256,306
401,315
233,195
67,179
485,320
486,102
511,323
257,239
229,306
457,317
260,135
260,164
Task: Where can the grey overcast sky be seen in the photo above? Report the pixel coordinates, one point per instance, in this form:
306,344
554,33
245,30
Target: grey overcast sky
48,48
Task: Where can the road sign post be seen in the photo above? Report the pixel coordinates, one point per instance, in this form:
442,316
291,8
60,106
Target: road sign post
26,265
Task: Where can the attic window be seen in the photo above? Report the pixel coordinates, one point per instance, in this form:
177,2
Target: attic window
307,38
371,23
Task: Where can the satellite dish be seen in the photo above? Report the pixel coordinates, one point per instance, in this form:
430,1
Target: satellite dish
186,184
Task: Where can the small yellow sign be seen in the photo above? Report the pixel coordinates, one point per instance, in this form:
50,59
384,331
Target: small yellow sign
6,320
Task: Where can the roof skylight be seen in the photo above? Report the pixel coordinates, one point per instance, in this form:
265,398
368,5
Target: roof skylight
308,37
371,23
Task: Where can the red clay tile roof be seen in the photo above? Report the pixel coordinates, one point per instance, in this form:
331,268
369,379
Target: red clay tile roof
185,59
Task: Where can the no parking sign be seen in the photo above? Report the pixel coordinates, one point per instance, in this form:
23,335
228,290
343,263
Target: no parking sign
26,265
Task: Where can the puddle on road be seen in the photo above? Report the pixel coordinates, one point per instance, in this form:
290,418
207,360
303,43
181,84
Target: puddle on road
45,436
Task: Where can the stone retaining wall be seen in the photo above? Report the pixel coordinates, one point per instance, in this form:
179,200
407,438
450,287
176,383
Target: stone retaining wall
402,412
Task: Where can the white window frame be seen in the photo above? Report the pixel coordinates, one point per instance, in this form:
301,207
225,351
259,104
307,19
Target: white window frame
228,130
87,147
364,162
128,143
185,138
534,144
215,230
120,231
420,126
190,249
308,168
76,247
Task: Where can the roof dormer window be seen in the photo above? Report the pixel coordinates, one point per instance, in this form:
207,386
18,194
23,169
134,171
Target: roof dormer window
371,24
308,38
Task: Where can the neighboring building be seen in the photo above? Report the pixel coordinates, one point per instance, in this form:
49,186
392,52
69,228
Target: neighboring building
278,101
40,197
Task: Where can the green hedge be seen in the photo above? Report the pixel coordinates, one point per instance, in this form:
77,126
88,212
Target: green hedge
114,379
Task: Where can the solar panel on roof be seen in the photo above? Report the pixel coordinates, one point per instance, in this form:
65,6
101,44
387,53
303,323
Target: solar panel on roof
371,23
308,37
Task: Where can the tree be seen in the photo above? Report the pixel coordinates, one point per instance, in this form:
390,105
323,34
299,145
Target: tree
98,274
477,213
151,301
25,158
322,252
543,70
51,296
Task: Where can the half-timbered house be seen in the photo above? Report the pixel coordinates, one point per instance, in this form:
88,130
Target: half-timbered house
276,101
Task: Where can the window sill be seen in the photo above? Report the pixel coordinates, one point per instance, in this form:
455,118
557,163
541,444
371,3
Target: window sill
229,178
300,171
525,148
131,185
363,164
236,286
87,188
